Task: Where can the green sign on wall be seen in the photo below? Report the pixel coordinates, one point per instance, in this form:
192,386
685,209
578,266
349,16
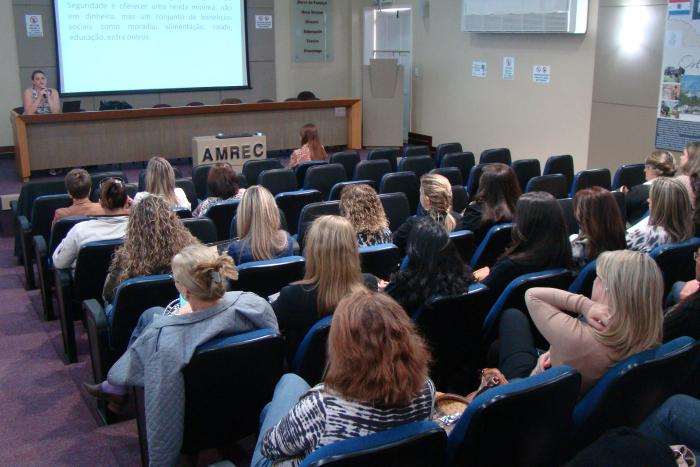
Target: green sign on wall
312,30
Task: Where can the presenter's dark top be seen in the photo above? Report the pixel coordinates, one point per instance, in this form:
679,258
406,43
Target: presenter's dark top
297,311
400,236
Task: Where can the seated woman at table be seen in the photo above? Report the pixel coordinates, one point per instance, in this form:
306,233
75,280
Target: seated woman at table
40,99
376,379
165,339
311,148
160,180
223,184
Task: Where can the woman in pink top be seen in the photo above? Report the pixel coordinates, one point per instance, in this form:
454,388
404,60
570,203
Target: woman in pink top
623,318
311,148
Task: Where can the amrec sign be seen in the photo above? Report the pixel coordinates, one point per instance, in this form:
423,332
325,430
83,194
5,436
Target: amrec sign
235,150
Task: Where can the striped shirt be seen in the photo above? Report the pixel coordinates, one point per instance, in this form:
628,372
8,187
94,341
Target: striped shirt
321,418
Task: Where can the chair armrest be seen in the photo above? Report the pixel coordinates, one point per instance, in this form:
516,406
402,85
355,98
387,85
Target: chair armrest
98,338
27,253
40,248
64,292
13,206
41,256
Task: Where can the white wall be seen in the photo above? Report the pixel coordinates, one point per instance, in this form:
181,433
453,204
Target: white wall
10,87
533,120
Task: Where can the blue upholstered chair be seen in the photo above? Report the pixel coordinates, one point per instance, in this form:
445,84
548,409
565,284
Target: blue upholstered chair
473,179
489,156
464,242
387,154
396,207
268,277
221,214
278,180
525,169
676,261
405,182
453,174
348,159
310,212
324,177
583,284
201,228
446,148
563,164
372,170
337,189
589,178
252,168
464,161
492,246
310,358
419,165
523,423
381,260
554,184
301,169
292,202
628,175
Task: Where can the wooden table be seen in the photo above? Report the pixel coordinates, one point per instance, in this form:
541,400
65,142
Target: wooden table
90,138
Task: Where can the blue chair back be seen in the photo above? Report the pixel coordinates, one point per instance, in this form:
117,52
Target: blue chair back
460,198
221,214
676,261
202,228
629,175
413,444
415,151
292,202
567,208
445,148
560,165
589,178
337,189
278,180
182,212
372,170
310,358
523,423
381,260
43,211
402,182
396,207
453,174
464,161
629,391
583,284
387,154
554,184
61,229
492,246
490,156
464,242
301,169
91,268
526,169
200,174
419,165
348,159
253,168
186,185
473,179
451,325
268,277
310,212
323,177
513,296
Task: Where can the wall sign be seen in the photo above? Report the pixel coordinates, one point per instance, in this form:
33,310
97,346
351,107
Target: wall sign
479,69
508,68
312,30
678,116
263,21
541,74
35,27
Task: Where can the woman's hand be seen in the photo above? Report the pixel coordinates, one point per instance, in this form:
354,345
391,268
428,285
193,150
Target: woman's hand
381,284
481,274
598,318
544,362
689,289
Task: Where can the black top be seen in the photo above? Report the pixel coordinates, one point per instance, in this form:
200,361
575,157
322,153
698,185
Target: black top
471,220
505,270
297,311
400,236
684,320
637,203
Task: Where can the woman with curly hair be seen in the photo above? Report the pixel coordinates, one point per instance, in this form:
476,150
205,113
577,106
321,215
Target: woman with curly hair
153,236
434,268
361,206
436,201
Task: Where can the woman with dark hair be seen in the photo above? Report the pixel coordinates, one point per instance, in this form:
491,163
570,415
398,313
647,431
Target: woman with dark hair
376,379
434,268
540,241
222,184
113,199
311,148
494,203
602,227
695,186
40,99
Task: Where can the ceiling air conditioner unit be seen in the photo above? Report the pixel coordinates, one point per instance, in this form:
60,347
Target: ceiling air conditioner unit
525,16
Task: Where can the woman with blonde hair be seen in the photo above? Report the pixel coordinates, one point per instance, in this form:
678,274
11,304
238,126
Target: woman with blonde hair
670,217
311,148
332,272
160,181
376,379
657,164
621,319
436,202
166,338
361,206
258,226
154,235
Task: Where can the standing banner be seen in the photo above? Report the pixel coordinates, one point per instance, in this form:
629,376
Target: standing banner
678,117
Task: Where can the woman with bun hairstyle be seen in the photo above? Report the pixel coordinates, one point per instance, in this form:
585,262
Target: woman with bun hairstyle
436,202
166,338
657,164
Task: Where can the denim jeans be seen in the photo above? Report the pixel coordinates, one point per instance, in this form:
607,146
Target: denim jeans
287,393
676,421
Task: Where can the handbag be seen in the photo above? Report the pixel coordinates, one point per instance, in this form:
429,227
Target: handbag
450,407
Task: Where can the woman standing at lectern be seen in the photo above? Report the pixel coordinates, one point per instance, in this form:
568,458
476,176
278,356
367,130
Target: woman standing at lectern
39,99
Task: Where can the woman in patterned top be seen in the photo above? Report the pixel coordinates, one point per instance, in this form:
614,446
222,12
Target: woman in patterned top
361,206
370,336
39,99
222,184
670,218
311,148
